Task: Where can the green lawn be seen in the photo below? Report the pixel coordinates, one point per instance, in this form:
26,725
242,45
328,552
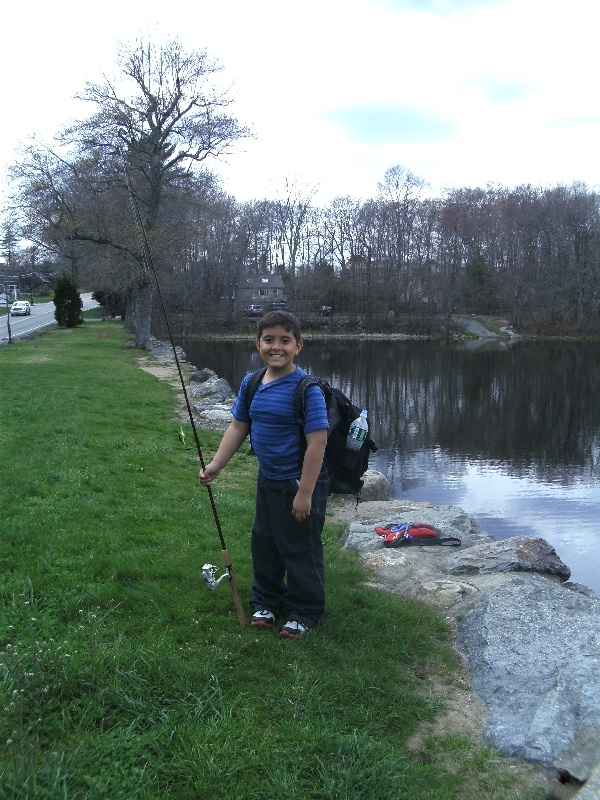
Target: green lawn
123,676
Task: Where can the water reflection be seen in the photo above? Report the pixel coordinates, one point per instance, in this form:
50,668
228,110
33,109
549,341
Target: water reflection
509,434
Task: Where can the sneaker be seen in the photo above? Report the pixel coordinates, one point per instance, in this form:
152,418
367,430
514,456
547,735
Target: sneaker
294,629
263,618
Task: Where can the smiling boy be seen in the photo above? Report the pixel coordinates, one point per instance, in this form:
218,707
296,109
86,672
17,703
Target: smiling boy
292,483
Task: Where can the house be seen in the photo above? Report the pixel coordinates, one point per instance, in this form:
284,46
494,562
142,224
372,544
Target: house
262,289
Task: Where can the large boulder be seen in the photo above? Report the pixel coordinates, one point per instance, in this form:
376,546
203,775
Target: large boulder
376,486
519,554
211,392
201,375
533,647
531,640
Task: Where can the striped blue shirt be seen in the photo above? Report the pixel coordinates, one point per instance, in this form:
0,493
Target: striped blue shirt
275,433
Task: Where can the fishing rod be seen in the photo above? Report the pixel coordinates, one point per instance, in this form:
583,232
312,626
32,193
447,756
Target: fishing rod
208,570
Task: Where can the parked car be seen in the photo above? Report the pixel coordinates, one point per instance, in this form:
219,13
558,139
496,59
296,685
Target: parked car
20,309
325,311
281,306
253,310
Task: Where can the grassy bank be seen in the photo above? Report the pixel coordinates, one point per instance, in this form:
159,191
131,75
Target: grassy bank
122,676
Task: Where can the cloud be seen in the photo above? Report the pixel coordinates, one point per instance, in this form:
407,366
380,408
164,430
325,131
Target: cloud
436,6
390,124
461,92
499,90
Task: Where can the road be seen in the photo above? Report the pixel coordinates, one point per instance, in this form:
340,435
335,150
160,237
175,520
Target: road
475,328
42,314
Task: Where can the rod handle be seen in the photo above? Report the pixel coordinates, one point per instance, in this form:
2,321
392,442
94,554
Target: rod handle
236,595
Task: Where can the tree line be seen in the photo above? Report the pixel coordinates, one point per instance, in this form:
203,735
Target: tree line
528,253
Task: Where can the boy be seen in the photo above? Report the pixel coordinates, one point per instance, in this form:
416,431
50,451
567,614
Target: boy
291,492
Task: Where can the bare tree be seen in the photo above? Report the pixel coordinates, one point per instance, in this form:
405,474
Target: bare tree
163,117
292,214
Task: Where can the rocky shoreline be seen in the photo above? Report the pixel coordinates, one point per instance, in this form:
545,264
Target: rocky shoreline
529,638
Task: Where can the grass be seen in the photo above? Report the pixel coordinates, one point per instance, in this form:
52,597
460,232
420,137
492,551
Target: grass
123,676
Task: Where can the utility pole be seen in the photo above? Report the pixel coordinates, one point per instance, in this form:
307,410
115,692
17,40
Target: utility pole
10,341
31,274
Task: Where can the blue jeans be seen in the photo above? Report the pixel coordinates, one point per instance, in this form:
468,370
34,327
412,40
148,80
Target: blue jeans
287,555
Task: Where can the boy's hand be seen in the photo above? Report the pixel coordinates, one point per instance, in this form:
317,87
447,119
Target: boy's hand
230,444
208,474
301,505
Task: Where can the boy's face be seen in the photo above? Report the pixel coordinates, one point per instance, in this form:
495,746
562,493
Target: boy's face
278,348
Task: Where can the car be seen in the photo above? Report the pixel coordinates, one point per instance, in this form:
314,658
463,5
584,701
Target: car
21,308
280,306
253,310
325,311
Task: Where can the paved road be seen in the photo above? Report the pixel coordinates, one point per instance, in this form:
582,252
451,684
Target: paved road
474,327
42,314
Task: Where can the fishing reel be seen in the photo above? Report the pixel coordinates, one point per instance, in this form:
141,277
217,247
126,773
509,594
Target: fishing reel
208,573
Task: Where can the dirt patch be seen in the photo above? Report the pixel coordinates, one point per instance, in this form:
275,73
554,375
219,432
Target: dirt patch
464,714
164,372
169,374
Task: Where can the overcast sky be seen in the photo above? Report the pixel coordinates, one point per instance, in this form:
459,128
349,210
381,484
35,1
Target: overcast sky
460,92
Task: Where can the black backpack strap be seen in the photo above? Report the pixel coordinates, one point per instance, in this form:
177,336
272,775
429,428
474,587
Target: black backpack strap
300,410
252,384
251,388
300,397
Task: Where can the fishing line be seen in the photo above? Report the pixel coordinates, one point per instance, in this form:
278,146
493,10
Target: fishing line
208,569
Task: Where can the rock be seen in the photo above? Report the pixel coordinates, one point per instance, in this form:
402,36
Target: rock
201,375
520,554
451,520
214,389
531,641
591,790
163,351
216,417
533,647
421,572
376,487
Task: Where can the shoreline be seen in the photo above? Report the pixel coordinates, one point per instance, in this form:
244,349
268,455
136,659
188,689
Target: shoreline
410,573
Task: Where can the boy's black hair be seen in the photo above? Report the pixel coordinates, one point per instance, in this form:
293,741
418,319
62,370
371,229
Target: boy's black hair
283,318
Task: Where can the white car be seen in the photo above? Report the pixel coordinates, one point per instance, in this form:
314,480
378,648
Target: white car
21,308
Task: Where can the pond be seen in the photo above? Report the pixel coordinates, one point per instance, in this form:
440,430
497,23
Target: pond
508,432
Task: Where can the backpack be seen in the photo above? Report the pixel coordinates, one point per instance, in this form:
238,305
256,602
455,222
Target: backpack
346,467
422,534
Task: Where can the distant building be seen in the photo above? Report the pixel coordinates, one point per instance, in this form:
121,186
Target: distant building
263,289
24,284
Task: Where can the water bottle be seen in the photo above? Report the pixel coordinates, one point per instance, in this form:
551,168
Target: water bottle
358,431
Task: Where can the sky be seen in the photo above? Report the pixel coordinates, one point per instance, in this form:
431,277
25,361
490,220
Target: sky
462,93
